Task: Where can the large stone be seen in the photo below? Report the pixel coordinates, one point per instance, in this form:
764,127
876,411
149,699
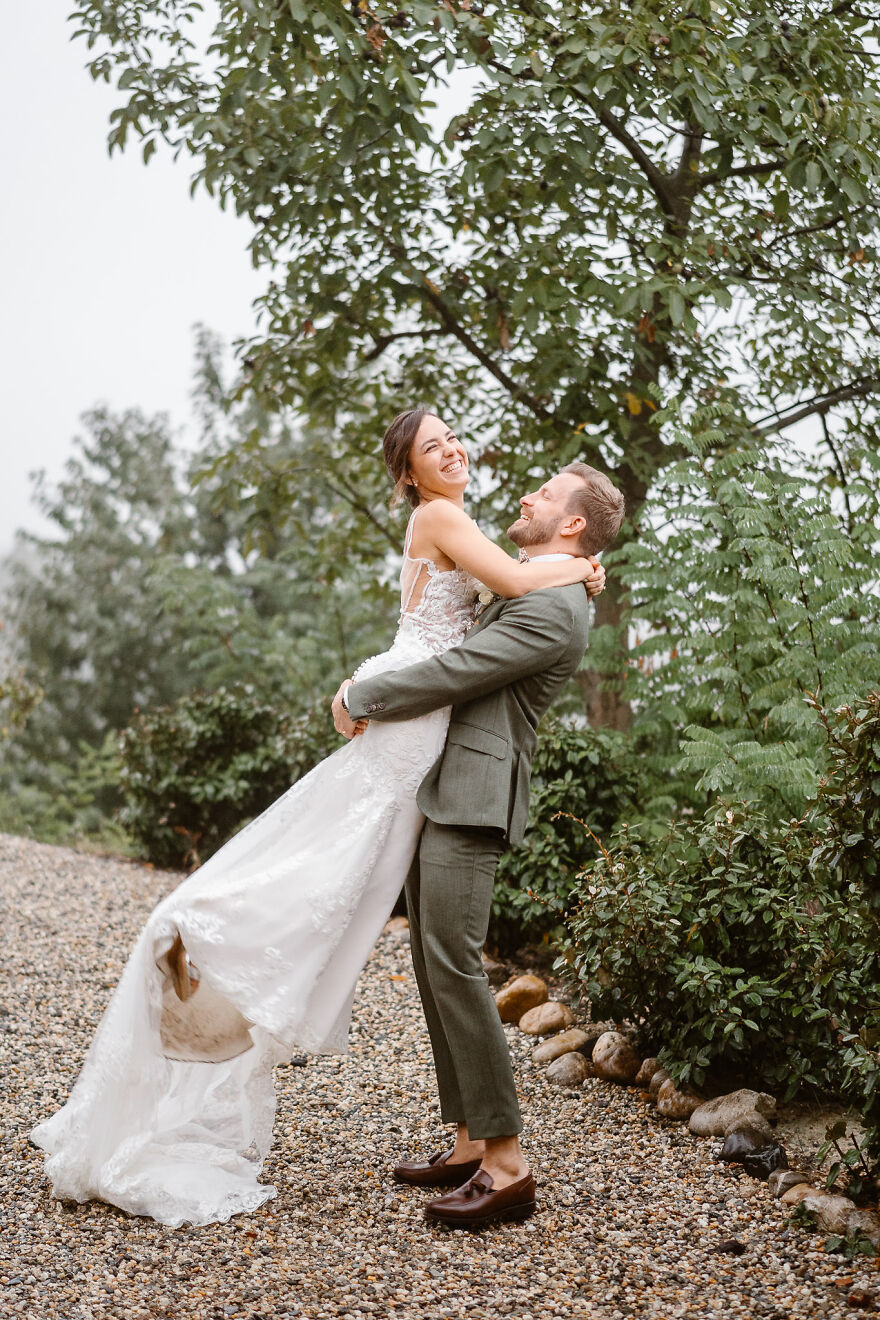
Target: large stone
593,1032
715,1118
764,1161
660,1076
496,972
646,1072
564,1043
546,1018
672,1103
742,1141
521,994
746,1146
864,1223
832,1212
614,1058
569,1070
795,1195
782,1181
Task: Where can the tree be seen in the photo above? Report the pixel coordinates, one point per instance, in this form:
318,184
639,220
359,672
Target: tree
150,586
638,199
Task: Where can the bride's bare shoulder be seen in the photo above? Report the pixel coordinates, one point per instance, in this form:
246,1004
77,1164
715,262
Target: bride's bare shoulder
441,513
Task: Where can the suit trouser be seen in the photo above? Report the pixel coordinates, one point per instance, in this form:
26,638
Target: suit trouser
449,898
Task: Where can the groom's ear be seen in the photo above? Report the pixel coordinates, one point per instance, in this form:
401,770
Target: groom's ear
573,525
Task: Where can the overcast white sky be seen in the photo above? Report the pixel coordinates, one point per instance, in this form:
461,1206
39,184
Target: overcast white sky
106,264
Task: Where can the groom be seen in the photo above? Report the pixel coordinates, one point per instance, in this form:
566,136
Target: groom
499,682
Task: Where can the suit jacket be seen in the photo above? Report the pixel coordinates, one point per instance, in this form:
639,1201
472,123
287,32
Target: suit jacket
499,683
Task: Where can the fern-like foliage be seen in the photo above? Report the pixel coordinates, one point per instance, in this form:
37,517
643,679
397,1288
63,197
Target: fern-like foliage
754,587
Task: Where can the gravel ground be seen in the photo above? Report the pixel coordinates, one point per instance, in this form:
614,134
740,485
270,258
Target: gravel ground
631,1206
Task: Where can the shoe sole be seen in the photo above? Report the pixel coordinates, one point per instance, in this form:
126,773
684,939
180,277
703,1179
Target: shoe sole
513,1212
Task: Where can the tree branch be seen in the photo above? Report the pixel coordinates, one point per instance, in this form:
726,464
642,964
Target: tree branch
820,404
345,493
383,341
658,181
453,327
841,472
739,172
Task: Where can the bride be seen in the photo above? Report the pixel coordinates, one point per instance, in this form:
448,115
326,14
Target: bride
256,955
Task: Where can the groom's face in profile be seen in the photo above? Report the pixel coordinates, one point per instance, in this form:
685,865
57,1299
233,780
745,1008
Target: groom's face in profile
544,511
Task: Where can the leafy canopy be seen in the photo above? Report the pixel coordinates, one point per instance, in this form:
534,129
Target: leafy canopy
633,195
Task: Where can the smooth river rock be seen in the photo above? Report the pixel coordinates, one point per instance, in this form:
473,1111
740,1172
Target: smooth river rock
782,1181
496,972
715,1118
832,1212
672,1103
565,1043
614,1058
569,1070
660,1076
799,1193
523,993
546,1018
864,1223
646,1072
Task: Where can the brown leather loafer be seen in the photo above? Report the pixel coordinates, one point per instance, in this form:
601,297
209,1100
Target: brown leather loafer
435,1171
479,1202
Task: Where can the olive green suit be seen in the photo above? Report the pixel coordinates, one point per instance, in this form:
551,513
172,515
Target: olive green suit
499,683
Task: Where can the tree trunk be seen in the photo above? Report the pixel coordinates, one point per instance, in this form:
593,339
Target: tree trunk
603,691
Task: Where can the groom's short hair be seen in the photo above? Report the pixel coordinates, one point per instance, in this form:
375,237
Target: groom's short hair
600,503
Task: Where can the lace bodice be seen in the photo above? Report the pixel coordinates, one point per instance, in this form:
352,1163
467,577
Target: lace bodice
435,604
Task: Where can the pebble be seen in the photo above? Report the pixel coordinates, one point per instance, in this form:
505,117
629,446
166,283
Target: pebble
546,1018
629,1207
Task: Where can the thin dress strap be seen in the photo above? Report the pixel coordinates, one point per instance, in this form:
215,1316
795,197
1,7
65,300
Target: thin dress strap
407,540
409,580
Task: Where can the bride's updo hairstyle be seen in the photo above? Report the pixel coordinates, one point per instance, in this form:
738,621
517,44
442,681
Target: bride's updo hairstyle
396,446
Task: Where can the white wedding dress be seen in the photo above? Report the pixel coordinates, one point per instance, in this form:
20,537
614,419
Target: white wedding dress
172,1113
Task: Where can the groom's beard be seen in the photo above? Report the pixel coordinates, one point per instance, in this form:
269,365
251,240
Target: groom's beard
533,531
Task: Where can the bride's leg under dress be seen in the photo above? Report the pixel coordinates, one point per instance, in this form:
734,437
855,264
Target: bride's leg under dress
172,1113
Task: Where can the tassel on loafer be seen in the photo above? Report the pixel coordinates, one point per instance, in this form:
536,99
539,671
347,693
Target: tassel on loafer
479,1202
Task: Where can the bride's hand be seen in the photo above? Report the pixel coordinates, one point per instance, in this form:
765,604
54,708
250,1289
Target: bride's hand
342,721
594,576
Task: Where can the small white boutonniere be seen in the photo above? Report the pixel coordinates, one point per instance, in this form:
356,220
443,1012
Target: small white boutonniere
484,599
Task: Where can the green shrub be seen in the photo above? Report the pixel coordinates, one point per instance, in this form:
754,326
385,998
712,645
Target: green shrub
580,777
58,803
194,773
746,946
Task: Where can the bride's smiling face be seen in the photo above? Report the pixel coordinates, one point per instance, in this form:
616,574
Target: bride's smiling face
438,462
